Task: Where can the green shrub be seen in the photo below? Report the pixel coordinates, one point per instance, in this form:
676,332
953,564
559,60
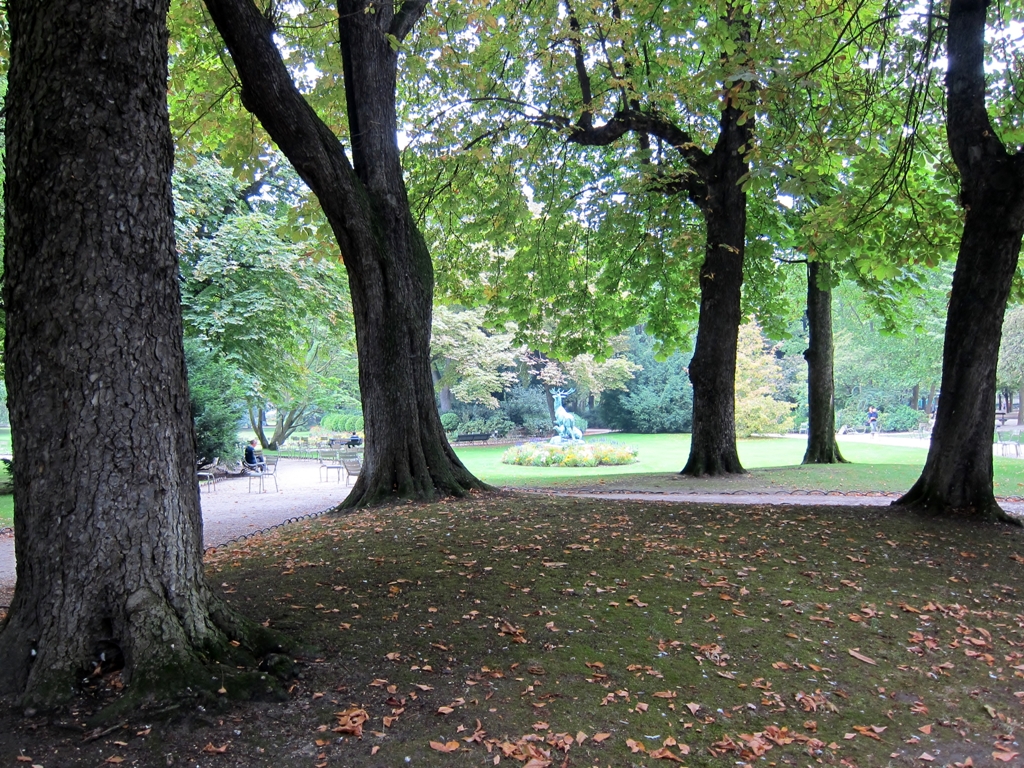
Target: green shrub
333,422
570,454
901,418
216,397
450,421
341,421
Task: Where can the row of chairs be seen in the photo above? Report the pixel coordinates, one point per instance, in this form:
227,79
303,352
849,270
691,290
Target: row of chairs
343,462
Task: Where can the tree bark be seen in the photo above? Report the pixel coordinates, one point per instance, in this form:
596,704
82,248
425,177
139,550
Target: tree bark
957,476
712,369
821,431
390,272
108,533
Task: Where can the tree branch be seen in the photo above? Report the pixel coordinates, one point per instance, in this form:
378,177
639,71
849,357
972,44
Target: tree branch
406,17
582,76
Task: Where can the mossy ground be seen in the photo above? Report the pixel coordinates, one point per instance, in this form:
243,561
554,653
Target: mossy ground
503,625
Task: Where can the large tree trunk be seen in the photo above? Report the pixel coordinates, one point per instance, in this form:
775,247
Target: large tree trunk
390,272
108,532
957,476
821,431
713,367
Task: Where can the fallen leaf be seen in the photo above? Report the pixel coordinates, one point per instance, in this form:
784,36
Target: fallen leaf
663,753
375,750
1004,757
444,710
635,746
664,694
114,759
351,721
693,708
926,757
599,737
925,729
861,657
210,749
580,737
450,746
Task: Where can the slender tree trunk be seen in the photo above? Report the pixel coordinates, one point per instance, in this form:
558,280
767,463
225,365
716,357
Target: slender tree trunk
713,366
444,393
915,397
957,476
108,533
821,431
257,417
390,272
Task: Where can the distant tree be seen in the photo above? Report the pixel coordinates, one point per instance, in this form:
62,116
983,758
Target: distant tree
467,361
758,376
658,399
217,394
1010,372
277,309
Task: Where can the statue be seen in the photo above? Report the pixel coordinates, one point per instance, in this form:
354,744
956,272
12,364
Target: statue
565,422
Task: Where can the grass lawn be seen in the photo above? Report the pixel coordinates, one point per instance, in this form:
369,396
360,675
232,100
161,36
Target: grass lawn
773,464
525,627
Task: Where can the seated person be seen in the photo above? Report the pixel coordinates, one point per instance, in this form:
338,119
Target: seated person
354,441
252,459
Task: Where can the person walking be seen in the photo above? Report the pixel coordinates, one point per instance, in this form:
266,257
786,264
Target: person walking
873,420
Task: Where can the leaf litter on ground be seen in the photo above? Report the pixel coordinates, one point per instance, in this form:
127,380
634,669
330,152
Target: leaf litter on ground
530,629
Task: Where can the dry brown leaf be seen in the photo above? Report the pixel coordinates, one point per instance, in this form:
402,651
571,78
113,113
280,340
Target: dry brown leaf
599,737
861,657
210,749
450,746
664,694
693,707
635,746
662,753
1004,757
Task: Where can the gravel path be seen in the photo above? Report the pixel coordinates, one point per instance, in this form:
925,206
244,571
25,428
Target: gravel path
230,510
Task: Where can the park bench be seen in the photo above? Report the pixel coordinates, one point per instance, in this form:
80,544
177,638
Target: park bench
473,437
352,468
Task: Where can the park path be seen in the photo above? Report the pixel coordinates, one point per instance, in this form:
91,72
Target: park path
231,511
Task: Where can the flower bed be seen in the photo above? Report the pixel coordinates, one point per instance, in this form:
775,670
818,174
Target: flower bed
569,455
